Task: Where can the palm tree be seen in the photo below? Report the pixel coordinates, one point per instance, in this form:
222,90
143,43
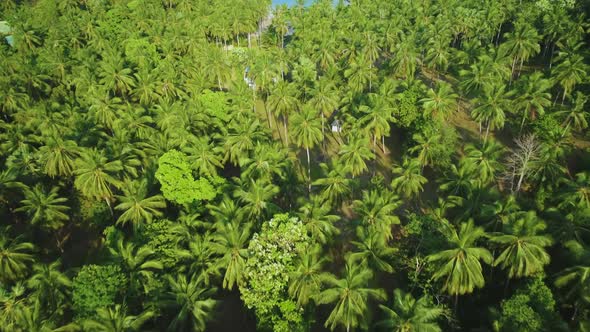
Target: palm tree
317,219
492,107
426,147
353,156
15,256
335,184
266,162
136,262
360,73
203,156
524,249
49,284
486,159
324,99
576,115
576,279
409,182
460,180
231,242
95,175
136,207
191,301
522,43
376,119
282,101
58,156
576,193
116,320
460,265
410,315
569,72
305,281
440,103
241,139
44,207
376,210
350,294
373,250
533,96
256,197
307,133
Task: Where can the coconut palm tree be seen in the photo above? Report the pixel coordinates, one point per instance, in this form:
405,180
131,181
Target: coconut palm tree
15,256
335,184
315,215
522,43
306,131
191,303
576,193
426,147
95,175
373,250
136,206
242,138
351,295
533,96
256,196
115,319
324,99
58,157
49,284
138,263
409,181
460,265
570,71
492,108
283,101
375,119
376,210
410,315
45,208
204,156
523,252
575,280
460,180
230,241
576,116
353,156
486,159
306,279
440,103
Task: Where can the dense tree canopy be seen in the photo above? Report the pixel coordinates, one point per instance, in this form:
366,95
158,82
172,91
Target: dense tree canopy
355,165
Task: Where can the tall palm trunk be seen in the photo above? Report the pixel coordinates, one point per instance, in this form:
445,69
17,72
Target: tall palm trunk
308,171
285,120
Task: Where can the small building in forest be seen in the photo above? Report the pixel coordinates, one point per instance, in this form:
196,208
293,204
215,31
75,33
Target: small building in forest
6,31
336,126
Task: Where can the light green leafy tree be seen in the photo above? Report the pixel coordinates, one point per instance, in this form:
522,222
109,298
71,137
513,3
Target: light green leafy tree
272,255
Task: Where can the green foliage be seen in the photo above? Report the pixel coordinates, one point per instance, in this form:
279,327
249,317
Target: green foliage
532,308
96,287
271,257
178,185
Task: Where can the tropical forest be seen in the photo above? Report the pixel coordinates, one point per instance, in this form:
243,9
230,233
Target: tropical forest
294,166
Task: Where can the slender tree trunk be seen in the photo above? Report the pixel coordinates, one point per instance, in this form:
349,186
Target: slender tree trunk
383,144
563,97
526,111
485,139
498,36
308,171
286,133
520,69
521,177
551,55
